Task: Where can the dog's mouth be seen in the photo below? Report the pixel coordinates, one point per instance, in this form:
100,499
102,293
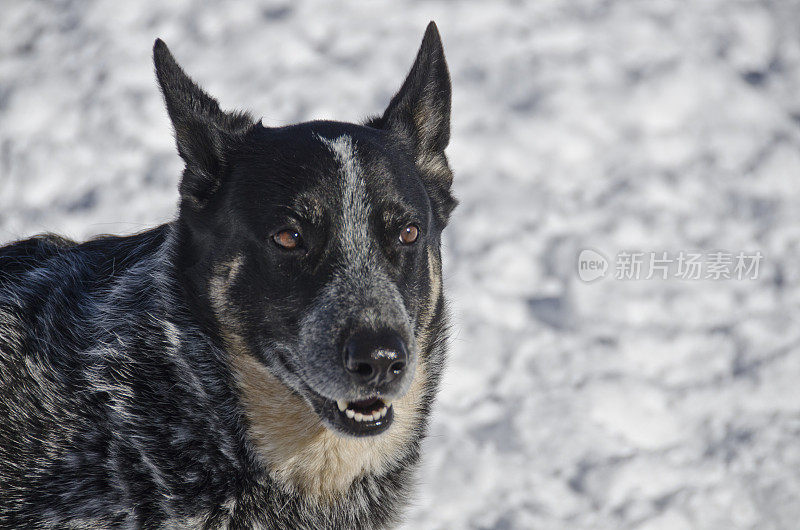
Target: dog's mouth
365,417
365,411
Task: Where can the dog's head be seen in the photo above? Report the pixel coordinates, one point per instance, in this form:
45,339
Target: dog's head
317,244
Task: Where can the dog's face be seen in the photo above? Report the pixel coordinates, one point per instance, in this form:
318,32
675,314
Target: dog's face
314,243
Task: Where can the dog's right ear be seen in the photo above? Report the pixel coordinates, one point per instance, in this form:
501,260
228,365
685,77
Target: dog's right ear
203,131
419,115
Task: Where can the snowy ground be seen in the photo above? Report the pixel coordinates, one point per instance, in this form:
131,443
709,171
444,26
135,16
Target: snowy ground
640,125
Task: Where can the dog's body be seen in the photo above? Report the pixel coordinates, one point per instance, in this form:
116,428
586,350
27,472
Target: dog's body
268,359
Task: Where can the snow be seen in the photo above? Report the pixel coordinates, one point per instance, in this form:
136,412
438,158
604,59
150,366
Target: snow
610,125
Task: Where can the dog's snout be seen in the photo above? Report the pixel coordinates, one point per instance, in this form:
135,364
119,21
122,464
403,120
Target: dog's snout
375,359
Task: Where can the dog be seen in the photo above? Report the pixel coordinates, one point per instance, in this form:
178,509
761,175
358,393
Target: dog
268,359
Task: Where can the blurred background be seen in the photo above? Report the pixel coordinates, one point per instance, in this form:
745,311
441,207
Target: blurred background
653,126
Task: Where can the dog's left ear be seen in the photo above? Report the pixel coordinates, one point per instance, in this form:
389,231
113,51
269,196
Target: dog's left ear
203,132
420,115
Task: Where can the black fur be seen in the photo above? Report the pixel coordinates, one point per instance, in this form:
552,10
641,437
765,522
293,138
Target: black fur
119,405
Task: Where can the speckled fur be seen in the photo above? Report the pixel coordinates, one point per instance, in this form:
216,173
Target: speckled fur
133,397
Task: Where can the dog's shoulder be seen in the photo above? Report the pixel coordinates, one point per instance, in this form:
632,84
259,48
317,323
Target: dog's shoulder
97,371
52,289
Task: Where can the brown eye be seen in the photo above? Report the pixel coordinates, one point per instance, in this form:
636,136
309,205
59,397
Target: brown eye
288,239
409,234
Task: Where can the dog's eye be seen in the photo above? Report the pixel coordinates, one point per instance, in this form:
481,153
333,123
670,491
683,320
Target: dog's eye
409,234
288,239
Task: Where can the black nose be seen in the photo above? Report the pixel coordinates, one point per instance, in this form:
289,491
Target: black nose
375,358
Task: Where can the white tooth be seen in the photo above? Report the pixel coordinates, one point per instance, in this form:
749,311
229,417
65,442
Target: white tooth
359,416
350,413
342,404
367,417
384,410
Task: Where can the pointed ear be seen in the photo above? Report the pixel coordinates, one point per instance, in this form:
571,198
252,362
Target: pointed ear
420,114
203,132
421,109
